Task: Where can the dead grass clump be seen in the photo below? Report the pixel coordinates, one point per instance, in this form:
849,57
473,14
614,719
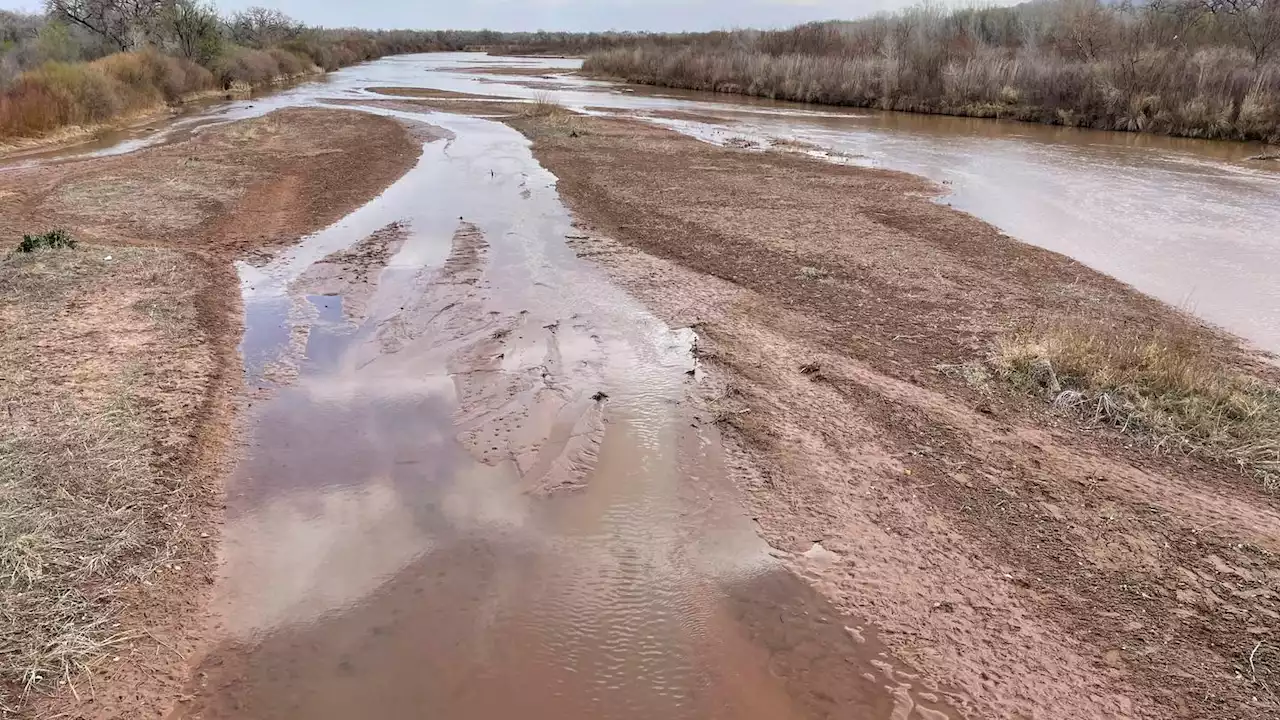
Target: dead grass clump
813,273
97,392
544,106
551,116
53,240
247,67
1164,385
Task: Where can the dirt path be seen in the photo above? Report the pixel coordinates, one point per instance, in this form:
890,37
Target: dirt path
158,229
1041,567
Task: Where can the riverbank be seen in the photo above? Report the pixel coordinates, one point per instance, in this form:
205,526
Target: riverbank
1040,560
1049,91
121,383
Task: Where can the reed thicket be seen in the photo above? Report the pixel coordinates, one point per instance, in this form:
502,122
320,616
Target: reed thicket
1189,69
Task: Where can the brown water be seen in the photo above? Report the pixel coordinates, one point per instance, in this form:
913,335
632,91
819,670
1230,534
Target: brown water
488,497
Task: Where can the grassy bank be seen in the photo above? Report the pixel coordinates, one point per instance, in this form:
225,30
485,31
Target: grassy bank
1195,72
58,95
1165,386
105,369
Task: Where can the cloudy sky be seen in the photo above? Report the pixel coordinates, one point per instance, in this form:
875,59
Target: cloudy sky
556,14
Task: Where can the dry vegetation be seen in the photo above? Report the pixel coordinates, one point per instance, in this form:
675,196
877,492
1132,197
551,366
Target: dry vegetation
552,116
64,94
98,427
1166,386
1200,69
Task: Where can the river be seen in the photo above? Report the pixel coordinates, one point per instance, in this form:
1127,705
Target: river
1194,223
483,496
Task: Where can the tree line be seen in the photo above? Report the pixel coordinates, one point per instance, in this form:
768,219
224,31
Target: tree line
1202,68
84,62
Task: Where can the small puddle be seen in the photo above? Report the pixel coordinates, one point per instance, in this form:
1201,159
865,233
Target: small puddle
485,497
266,335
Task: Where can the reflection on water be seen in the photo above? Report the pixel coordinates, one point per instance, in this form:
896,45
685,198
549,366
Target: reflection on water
399,543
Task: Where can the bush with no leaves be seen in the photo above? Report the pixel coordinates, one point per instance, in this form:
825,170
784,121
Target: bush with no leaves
52,240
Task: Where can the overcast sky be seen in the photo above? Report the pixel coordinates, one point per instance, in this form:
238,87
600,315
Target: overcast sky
556,14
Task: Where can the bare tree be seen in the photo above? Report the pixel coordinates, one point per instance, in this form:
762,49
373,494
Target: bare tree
119,22
1256,21
263,27
195,29
1085,26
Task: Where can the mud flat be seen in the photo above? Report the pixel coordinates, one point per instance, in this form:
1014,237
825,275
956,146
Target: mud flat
121,381
1041,565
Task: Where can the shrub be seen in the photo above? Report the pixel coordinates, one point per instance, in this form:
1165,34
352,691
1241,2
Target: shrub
79,93
30,108
1206,86
53,240
290,64
183,77
246,66
58,94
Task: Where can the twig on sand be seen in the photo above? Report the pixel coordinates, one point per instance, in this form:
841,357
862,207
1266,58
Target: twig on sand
1254,671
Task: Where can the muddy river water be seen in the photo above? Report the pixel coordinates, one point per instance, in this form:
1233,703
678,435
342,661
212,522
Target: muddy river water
473,485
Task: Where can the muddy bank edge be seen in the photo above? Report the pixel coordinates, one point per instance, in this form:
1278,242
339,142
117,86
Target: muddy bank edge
189,209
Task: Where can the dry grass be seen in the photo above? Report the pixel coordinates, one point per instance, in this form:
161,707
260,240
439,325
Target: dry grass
1163,385
544,105
104,367
249,68
56,95
551,116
